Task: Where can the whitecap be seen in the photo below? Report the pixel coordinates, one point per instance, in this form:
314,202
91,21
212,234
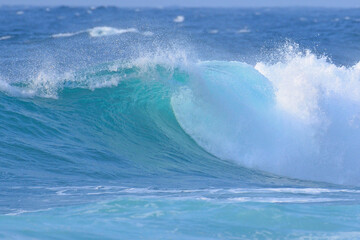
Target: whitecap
62,35
102,32
213,31
244,30
148,33
179,19
15,91
108,31
5,37
20,12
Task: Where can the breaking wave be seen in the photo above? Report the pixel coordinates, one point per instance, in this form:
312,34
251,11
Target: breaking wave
297,117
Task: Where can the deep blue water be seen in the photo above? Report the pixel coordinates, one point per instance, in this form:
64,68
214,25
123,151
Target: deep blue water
179,123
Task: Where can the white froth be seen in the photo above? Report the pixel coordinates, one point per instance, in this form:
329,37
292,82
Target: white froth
5,37
148,33
62,35
244,30
179,19
303,80
102,31
15,91
108,31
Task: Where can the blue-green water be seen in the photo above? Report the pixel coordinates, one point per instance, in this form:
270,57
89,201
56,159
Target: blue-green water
179,123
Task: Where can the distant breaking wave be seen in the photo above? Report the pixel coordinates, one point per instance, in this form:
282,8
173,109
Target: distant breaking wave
102,32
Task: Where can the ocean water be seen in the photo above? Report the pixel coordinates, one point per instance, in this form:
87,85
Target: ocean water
178,123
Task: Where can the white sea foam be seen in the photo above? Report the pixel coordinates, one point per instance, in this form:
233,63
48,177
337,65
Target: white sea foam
213,31
5,37
179,19
15,91
22,211
108,31
148,33
244,30
62,35
20,12
286,200
303,80
251,194
102,31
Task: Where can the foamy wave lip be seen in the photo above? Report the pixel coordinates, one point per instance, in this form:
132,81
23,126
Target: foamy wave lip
179,19
5,37
20,12
15,91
